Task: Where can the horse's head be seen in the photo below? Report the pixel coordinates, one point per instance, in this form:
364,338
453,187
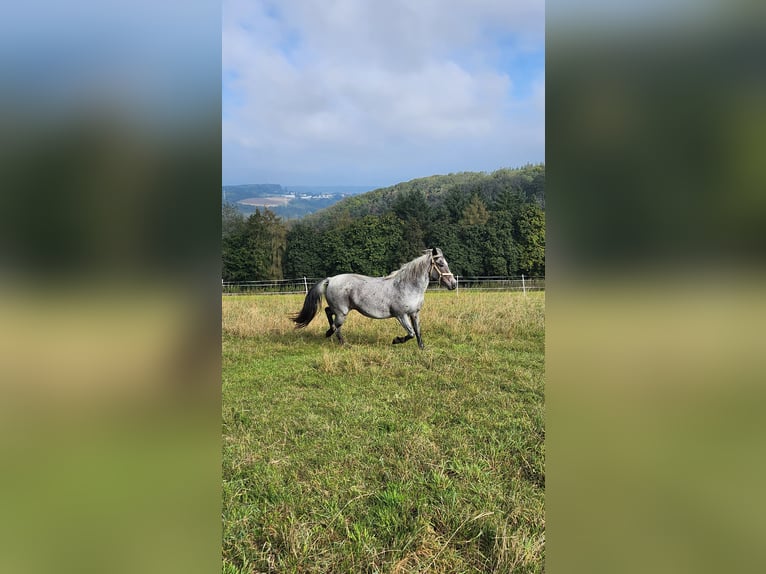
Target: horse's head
440,270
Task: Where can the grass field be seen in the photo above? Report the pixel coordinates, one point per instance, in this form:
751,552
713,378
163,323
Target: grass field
379,458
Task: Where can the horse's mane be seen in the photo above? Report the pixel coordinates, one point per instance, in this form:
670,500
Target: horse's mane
412,270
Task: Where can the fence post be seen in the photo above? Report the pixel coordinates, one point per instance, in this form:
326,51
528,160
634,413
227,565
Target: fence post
305,285
457,286
523,285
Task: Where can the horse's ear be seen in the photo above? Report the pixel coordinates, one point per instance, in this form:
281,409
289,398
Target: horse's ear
434,252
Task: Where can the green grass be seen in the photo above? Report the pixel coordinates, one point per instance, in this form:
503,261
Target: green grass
379,458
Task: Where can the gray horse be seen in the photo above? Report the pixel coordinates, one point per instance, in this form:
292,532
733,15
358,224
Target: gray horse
399,295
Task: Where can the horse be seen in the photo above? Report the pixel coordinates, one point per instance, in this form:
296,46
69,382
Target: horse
399,294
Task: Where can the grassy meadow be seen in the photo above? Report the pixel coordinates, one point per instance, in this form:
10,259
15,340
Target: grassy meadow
373,457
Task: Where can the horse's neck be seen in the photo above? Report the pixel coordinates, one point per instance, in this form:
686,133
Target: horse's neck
419,274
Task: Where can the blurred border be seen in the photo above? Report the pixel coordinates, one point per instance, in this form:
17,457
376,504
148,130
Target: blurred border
656,133
110,165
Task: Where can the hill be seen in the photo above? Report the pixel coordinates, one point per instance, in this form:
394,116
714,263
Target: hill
486,223
525,184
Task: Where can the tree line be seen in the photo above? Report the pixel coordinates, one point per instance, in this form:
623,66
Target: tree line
486,224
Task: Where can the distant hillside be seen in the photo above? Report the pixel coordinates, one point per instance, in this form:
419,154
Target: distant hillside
235,193
329,189
527,183
289,202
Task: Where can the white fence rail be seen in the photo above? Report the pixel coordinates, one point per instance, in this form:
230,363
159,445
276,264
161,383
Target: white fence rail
303,284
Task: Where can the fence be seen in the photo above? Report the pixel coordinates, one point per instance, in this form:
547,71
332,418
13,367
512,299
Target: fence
303,284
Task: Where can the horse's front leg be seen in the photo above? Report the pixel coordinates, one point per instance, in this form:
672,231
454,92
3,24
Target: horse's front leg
415,318
404,320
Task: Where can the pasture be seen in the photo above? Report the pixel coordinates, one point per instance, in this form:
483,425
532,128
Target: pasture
373,457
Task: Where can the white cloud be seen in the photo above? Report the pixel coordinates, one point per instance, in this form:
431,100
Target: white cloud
382,91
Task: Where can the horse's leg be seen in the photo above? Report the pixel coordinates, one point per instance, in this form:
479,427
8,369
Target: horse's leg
405,322
336,312
415,318
340,318
331,330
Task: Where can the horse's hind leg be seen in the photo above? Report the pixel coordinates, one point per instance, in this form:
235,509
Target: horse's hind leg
405,322
340,318
331,330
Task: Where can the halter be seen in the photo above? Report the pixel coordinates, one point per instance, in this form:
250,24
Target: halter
439,271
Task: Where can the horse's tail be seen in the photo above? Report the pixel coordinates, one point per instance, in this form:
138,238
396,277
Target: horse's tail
310,305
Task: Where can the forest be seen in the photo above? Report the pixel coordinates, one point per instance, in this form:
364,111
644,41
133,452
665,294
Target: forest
486,224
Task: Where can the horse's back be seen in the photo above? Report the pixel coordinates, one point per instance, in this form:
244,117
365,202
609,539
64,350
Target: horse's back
353,284
348,282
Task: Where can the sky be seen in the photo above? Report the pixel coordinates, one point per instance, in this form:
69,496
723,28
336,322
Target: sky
365,92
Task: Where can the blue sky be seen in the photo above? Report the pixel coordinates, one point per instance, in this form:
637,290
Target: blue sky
363,92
